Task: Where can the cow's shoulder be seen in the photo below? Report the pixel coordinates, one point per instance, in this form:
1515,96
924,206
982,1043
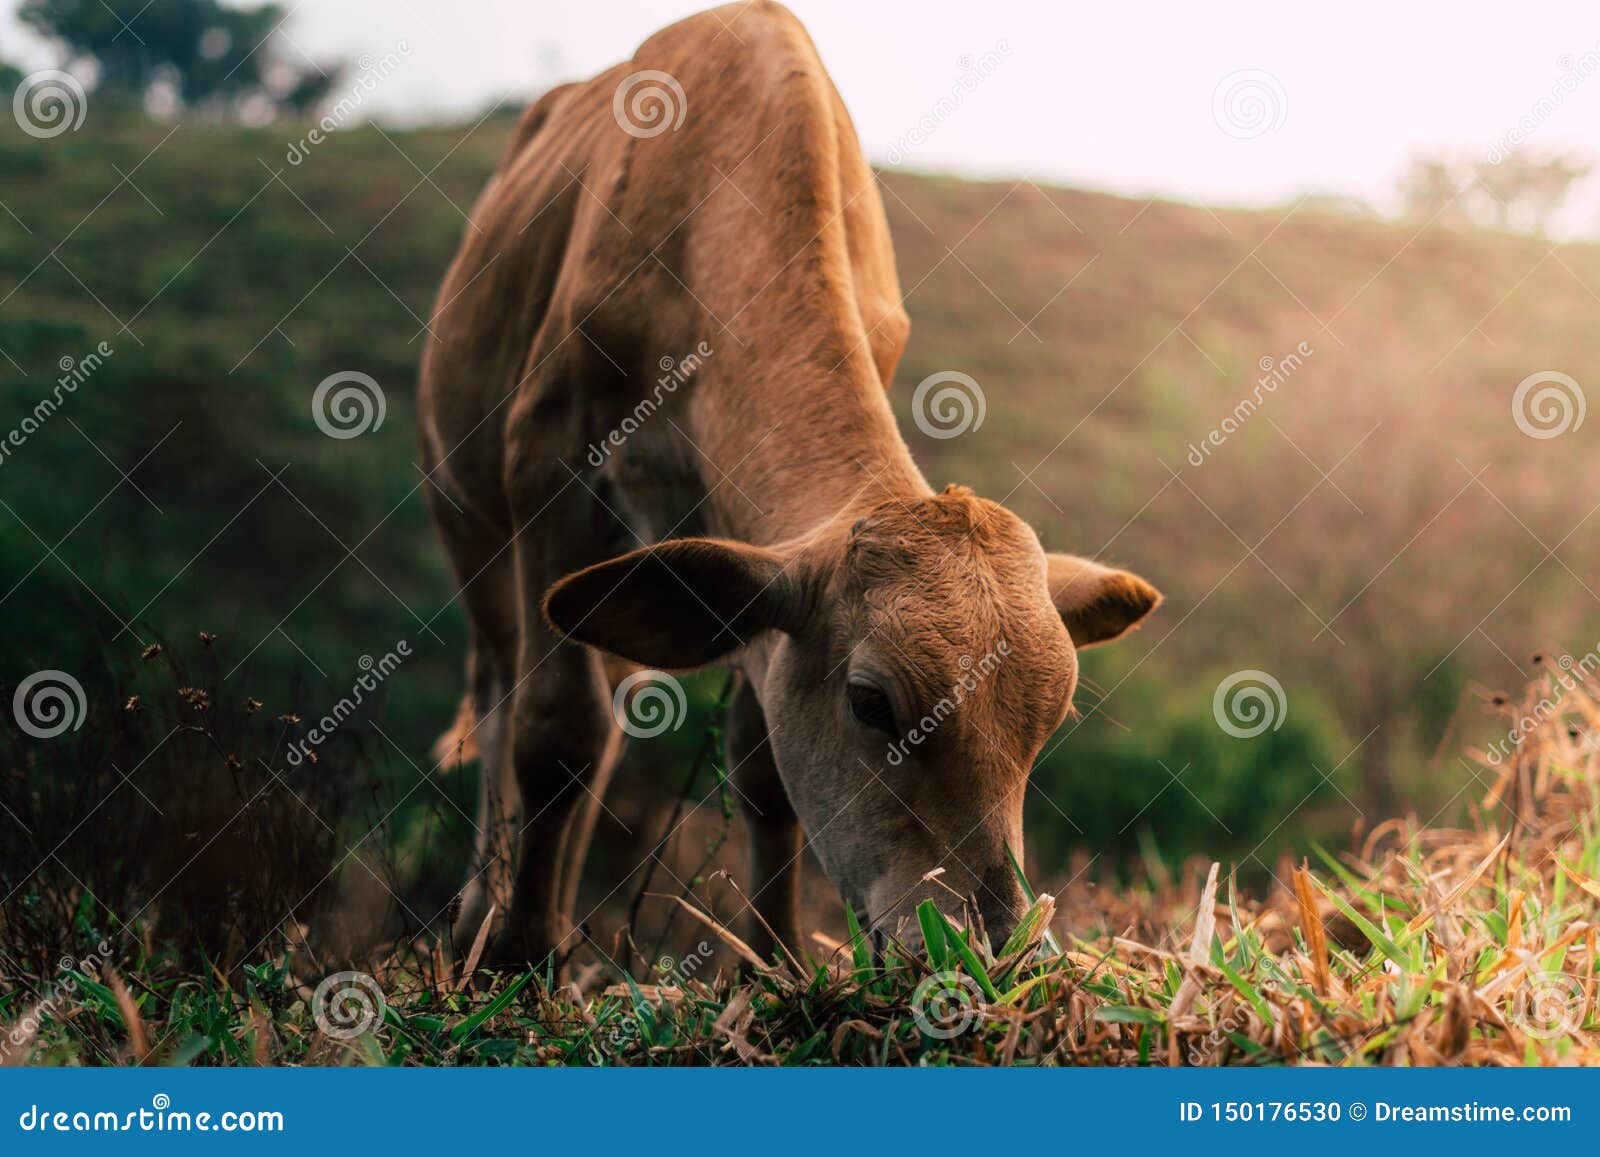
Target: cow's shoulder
736,29
756,46
534,118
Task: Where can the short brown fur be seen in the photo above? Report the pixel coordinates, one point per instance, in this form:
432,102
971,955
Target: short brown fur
764,513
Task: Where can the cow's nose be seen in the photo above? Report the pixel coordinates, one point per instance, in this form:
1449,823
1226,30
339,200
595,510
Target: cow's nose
1002,903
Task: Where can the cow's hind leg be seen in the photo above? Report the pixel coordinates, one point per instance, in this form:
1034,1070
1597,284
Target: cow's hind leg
489,879
484,567
580,834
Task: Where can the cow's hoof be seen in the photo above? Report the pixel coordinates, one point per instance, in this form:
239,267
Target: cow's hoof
511,950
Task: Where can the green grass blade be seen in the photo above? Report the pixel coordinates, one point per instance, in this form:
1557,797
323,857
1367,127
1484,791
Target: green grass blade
969,959
860,950
933,937
493,1008
1380,940
1127,1014
1051,944
1027,928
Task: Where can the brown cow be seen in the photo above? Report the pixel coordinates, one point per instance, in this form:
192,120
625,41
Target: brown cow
904,654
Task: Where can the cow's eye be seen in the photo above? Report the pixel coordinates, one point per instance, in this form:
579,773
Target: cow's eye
870,705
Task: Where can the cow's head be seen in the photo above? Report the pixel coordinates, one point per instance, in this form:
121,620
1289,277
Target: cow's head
911,664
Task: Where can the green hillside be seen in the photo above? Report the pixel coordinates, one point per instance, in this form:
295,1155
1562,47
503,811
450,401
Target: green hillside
1376,533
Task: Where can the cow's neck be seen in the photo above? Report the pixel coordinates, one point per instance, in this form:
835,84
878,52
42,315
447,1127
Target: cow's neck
794,455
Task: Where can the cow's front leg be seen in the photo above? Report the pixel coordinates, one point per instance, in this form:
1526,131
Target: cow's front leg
561,723
776,838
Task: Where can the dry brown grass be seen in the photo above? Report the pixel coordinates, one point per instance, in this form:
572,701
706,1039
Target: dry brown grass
1423,946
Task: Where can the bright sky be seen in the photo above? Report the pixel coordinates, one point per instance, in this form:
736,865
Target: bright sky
1122,97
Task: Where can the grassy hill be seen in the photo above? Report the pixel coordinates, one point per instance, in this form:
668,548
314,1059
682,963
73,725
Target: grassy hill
1303,426
1375,532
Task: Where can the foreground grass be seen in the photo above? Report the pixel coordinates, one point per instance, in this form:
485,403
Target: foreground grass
1425,946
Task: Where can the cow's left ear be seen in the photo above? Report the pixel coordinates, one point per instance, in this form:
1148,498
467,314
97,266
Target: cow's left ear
1097,603
678,604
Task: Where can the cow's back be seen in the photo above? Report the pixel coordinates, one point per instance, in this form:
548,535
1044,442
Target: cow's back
595,252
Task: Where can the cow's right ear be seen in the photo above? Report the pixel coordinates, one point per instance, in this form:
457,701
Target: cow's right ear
678,604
